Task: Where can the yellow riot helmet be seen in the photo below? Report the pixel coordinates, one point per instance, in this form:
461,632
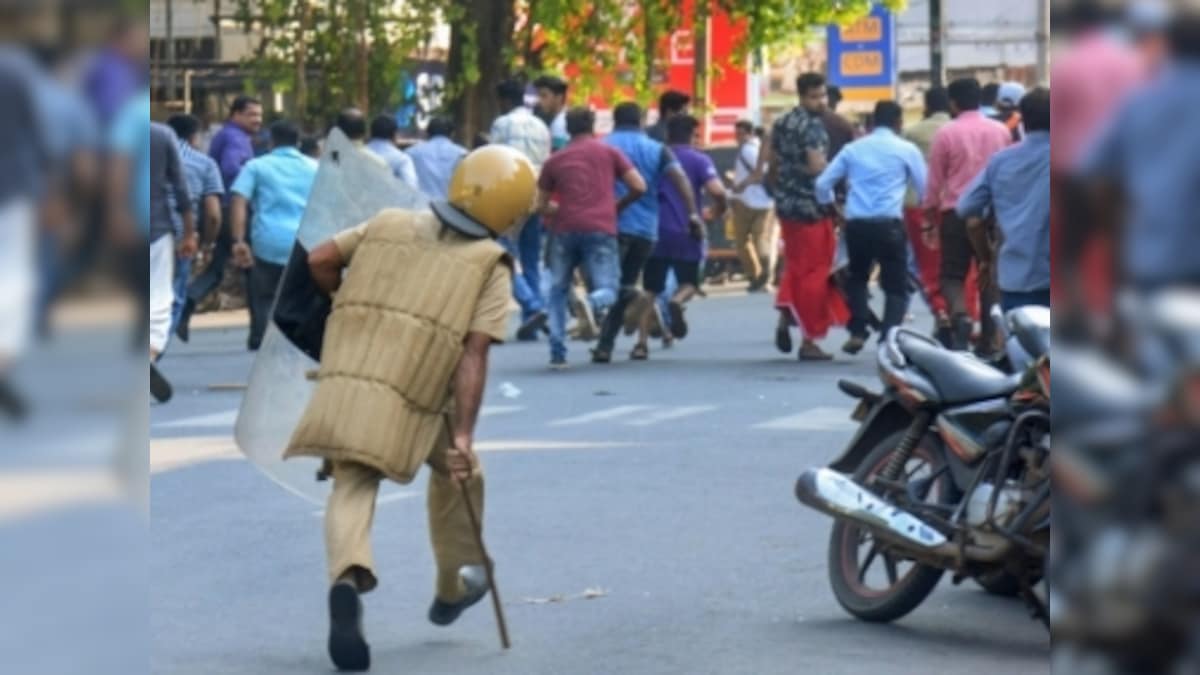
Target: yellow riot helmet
492,191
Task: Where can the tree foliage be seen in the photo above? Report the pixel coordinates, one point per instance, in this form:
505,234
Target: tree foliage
330,53
333,53
773,22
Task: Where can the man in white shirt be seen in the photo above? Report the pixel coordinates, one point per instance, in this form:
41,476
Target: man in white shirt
552,100
518,128
436,158
751,206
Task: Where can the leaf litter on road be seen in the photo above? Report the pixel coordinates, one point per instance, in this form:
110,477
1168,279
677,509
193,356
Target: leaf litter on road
587,594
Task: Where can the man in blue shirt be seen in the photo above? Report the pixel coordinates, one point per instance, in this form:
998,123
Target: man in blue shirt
206,190
435,159
1015,188
637,225
230,148
276,185
879,169
383,143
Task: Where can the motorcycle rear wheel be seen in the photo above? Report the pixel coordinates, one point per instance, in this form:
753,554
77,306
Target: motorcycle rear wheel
848,568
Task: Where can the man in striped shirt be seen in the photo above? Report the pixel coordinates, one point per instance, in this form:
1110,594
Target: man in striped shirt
206,188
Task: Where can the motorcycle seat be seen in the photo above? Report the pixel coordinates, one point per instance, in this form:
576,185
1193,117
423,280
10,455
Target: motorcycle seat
959,377
1031,326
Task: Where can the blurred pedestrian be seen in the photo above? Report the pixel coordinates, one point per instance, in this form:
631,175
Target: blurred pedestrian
403,372
383,144
960,151
310,146
118,73
519,129
1008,108
276,187
924,234
581,178
436,157
352,122
680,246
751,206
792,161
839,129
205,188
987,99
671,103
231,148
1092,75
1014,245
552,103
637,225
24,167
879,168
147,165
1142,175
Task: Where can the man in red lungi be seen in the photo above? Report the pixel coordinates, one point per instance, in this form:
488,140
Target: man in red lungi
793,159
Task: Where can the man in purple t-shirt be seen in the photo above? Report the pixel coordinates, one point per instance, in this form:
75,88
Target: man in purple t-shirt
576,190
231,148
680,242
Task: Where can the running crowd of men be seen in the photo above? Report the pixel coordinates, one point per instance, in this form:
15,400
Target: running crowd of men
955,207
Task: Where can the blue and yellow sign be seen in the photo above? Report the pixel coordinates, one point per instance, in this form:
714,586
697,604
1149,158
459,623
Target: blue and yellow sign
862,56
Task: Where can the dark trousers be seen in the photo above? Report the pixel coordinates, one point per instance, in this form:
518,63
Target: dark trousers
210,279
262,281
634,252
1014,299
957,255
882,241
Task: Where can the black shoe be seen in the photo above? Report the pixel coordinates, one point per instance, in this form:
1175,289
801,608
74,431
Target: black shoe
12,403
528,332
443,613
855,344
160,388
601,355
347,647
783,339
679,327
963,326
183,329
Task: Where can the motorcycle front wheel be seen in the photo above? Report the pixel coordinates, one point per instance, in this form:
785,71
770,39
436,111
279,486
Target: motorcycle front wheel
871,579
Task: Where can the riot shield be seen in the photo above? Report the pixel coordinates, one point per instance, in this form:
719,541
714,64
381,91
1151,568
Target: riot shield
350,188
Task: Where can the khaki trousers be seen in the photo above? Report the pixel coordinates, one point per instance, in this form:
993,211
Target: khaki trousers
351,510
750,238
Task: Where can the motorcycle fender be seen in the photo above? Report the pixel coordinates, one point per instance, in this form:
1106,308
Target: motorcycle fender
886,417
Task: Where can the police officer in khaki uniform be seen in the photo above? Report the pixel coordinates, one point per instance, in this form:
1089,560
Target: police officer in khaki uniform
423,296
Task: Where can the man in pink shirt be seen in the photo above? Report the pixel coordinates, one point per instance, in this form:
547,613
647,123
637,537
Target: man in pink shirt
960,151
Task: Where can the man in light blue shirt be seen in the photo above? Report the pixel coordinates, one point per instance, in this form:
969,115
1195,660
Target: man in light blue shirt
383,144
277,186
879,168
637,225
1015,188
436,158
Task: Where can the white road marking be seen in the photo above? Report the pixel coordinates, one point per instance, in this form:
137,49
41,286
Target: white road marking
491,410
600,415
512,446
821,418
224,419
668,414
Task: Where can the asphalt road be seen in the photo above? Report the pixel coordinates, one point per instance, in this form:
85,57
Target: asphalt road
663,489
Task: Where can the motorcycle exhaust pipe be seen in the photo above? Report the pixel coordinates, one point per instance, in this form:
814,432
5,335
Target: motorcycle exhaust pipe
837,495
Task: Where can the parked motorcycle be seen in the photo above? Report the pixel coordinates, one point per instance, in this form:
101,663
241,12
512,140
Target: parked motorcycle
949,471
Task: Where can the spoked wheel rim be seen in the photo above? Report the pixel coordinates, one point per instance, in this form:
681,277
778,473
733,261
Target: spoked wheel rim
873,568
